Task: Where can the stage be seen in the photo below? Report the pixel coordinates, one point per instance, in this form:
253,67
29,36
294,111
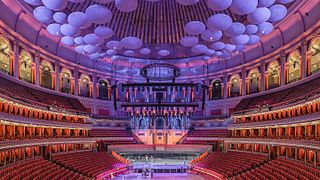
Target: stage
162,176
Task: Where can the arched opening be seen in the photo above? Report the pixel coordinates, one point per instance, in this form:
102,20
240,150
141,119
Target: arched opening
46,75
235,89
273,75
26,66
5,62
254,81
294,66
216,89
103,90
178,124
314,58
84,86
66,81
159,123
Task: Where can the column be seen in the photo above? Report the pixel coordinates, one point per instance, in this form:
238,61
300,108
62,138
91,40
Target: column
225,86
57,78
304,49
76,82
37,69
243,82
94,86
263,73
16,67
282,70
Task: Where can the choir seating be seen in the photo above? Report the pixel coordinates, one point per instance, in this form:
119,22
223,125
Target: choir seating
199,136
109,133
210,133
116,136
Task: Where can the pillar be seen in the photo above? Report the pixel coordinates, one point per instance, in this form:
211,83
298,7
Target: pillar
282,70
94,86
263,73
304,49
76,82
243,82
37,69
225,86
16,67
57,78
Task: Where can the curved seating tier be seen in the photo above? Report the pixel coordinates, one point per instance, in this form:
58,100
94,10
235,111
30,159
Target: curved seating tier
122,136
197,136
286,96
90,163
38,168
281,169
38,97
231,163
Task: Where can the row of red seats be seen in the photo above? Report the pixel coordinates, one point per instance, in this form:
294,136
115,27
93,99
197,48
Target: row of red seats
37,97
281,169
90,163
38,168
210,133
282,97
109,133
115,142
229,164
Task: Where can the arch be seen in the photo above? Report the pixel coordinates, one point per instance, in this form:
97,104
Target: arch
66,76
84,85
314,58
103,89
178,124
46,79
159,123
216,92
5,61
273,74
254,81
294,66
235,86
25,66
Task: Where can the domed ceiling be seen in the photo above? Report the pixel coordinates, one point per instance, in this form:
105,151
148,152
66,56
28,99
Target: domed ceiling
159,29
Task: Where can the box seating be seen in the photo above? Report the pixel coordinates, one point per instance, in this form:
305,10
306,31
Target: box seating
90,163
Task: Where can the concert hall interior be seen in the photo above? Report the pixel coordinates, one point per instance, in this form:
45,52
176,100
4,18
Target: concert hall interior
159,89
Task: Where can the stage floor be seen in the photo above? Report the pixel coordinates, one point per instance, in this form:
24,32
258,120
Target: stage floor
162,176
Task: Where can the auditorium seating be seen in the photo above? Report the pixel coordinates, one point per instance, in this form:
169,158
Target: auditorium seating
198,136
122,136
38,97
91,164
109,133
231,163
282,169
286,96
38,168
210,133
